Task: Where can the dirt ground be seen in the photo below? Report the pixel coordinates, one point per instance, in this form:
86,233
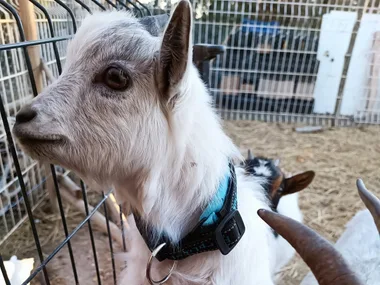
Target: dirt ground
338,156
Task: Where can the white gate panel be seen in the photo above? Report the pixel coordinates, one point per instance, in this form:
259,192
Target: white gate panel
359,70
334,40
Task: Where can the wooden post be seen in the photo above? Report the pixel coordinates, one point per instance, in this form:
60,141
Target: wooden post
29,23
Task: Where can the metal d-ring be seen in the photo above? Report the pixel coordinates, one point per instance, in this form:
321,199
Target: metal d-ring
149,266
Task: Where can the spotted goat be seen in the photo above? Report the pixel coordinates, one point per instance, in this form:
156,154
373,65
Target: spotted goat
282,193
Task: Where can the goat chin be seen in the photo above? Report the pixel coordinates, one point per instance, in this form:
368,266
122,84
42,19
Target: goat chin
360,247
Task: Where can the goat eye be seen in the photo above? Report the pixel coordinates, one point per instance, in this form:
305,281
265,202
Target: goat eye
116,79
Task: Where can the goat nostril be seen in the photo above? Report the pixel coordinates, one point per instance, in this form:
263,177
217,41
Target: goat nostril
25,115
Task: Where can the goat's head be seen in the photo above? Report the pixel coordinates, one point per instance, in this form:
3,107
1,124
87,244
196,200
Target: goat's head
121,88
277,185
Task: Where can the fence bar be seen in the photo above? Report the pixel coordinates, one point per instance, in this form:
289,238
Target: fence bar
83,6
110,241
58,248
84,194
122,4
122,228
112,4
51,29
10,139
22,185
23,39
24,44
4,272
99,5
64,6
145,7
136,7
28,20
63,218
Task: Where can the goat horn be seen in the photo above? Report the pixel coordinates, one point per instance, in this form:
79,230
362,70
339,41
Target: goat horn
371,202
250,156
155,24
325,262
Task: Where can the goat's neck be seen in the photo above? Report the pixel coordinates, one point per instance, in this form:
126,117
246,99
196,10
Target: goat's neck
188,174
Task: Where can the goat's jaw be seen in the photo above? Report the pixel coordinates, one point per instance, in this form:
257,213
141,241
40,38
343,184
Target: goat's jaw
37,145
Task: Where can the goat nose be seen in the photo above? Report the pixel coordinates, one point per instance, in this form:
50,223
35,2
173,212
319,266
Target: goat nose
26,114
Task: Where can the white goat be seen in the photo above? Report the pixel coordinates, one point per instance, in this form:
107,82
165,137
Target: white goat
130,111
360,242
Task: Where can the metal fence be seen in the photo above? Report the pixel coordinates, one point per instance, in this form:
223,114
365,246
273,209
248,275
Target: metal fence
273,69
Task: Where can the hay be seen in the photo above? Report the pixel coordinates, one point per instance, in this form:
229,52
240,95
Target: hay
338,156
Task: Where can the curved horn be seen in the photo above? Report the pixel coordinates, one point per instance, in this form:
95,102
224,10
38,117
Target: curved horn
371,202
155,25
250,156
325,262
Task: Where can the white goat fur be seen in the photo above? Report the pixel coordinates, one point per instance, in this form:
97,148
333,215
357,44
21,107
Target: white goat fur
284,252
360,247
167,167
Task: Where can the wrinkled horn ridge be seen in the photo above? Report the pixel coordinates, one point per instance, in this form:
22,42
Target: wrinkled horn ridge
325,262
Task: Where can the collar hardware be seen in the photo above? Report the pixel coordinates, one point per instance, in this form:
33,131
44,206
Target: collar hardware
238,229
220,227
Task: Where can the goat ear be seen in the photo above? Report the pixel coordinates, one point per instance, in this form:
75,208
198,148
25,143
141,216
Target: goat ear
175,53
154,24
371,201
298,182
276,162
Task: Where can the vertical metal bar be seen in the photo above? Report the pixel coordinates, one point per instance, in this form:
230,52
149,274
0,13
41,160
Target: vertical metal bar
84,194
122,4
4,272
145,7
136,7
110,241
22,185
99,5
64,6
122,228
22,38
10,140
83,6
51,29
112,4
54,176
63,218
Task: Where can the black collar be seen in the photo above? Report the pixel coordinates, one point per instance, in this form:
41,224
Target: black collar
222,234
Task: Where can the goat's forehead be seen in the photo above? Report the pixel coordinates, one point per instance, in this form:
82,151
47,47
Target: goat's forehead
112,33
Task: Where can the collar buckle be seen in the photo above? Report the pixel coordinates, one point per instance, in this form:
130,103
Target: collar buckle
229,231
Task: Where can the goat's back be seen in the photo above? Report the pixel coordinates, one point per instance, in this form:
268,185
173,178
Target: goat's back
360,247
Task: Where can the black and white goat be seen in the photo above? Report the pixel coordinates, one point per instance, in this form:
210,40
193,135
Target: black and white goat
282,193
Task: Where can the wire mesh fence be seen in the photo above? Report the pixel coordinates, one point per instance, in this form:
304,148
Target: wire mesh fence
273,69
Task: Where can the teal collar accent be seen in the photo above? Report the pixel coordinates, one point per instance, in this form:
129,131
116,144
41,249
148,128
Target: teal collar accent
209,215
220,227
